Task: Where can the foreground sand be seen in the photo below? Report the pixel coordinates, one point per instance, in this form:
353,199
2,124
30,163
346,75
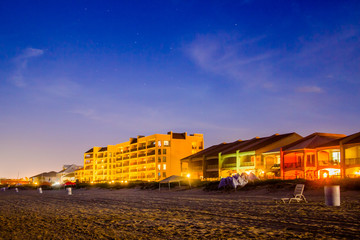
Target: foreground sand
190,214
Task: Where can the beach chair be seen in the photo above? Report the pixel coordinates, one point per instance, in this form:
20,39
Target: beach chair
298,195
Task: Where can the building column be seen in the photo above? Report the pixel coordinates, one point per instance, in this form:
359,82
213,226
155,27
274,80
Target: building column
342,161
237,161
282,172
203,167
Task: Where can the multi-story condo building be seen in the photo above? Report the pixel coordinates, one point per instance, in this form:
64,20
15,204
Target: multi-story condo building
146,158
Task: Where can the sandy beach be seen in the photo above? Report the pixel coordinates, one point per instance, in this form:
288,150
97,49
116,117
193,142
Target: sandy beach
175,214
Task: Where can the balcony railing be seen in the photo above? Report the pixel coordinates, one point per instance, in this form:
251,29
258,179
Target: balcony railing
215,166
133,156
133,170
126,158
327,163
151,153
142,147
151,161
151,146
229,165
246,164
134,149
142,155
275,166
293,165
352,161
142,162
196,168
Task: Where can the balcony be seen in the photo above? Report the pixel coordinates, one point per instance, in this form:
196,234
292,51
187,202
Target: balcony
275,166
151,161
133,156
142,155
246,164
352,161
133,149
151,146
229,165
327,163
293,165
142,162
151,169
196,168
214,166
125,164
142,147
88,156
127,157
151,153
126,151
133,170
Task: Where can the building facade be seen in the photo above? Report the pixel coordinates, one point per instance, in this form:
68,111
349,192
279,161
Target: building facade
285,156
260,156
145,158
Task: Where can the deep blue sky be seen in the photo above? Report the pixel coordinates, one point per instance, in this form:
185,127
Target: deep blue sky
74,74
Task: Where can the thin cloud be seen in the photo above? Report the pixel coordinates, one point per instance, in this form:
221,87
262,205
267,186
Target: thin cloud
310,89
60,88
21,61
227,56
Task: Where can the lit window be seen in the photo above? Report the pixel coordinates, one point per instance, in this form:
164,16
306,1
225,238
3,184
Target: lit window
159,143
336,156
164,166
159,166
166,143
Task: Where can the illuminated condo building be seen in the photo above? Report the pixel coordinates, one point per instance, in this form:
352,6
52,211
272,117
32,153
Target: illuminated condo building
145,158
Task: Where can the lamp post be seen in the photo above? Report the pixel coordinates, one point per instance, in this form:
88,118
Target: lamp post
188,176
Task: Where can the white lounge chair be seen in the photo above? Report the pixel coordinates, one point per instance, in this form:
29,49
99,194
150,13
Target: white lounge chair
298,195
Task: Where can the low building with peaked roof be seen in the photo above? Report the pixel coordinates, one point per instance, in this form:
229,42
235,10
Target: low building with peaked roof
248,156
309,157
258,155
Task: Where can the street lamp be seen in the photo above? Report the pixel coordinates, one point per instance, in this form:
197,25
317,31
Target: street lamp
188,176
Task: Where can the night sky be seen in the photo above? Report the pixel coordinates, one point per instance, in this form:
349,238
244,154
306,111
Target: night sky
77,74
